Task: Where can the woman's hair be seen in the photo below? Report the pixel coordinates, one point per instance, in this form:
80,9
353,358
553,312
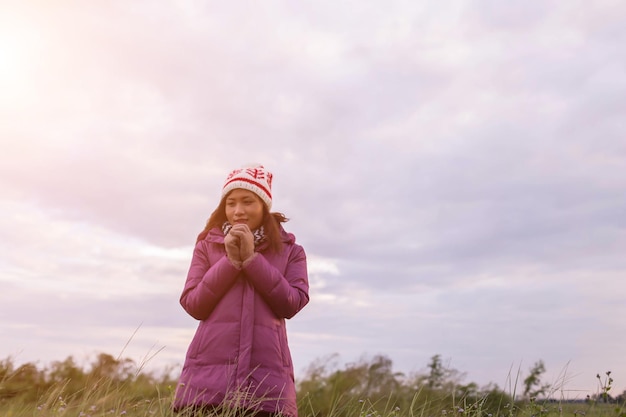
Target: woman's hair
271,224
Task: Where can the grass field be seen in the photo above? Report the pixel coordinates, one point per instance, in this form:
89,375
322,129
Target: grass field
115,387
124,401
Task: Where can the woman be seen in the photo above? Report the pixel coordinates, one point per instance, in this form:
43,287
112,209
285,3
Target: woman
247,276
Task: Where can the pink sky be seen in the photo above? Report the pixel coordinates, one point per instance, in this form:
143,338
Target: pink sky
456,175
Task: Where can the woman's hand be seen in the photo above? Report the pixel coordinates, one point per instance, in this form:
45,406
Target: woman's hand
231,243
243,235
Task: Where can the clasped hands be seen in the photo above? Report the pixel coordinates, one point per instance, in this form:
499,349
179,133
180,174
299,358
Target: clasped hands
239,243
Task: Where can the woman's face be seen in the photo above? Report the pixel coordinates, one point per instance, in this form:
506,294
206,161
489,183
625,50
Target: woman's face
243,206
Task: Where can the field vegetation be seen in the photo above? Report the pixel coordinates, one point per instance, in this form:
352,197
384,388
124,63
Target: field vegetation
111,386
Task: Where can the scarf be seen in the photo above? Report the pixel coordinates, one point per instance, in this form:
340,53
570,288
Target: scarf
259,234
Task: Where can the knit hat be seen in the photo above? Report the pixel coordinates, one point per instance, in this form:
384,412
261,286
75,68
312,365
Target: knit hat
252,178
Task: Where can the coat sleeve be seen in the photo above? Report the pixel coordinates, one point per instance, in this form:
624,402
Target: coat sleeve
206,284
286,295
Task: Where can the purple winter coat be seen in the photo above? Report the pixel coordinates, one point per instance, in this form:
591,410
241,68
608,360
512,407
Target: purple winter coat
240,345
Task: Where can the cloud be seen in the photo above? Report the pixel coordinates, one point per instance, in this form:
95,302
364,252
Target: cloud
454,173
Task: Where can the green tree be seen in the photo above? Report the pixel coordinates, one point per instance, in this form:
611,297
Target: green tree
437,373
110,368
533,387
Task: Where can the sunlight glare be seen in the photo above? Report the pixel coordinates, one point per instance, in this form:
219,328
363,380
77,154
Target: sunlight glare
18,49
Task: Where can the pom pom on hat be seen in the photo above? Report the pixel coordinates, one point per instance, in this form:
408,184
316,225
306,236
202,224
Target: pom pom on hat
253,178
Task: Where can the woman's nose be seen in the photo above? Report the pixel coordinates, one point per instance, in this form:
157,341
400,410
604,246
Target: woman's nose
238,208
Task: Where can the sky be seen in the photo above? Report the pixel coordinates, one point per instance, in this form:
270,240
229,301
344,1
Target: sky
455,171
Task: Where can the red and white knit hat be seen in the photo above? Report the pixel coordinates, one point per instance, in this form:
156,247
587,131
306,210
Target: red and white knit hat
253,178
